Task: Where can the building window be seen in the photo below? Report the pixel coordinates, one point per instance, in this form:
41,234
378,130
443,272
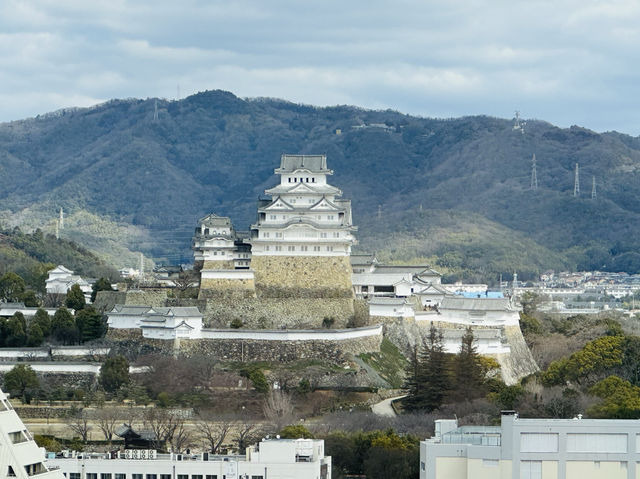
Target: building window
336,234
196,476
530,469
604,443
266,248
278,235
316,248
303,248
538,442
165,476
134,476
211,476
257,477
278,248
295,180
183,476
423,466
330,217
121,475
323,235
307,180
291,248
107,475
94,475
74,475
289,180
152,476
313,180
329,248
272,217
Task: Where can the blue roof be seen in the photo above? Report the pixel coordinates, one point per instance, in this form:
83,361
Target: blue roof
486,294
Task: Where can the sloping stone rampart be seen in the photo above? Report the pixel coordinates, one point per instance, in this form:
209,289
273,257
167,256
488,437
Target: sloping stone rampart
248,350
210,287
272,313
223,264
302,276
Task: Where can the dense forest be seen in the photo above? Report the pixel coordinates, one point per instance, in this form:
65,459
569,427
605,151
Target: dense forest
453,193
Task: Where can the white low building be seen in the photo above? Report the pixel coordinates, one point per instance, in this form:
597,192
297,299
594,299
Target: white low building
394,281
533,449
20,456
61,279
157,322
475,311
269,459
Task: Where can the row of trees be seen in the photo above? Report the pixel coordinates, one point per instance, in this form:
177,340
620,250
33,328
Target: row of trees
63,328
433,376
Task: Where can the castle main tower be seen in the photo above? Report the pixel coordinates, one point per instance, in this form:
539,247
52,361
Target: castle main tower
301,242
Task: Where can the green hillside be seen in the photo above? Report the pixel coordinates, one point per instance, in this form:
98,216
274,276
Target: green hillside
452,192
32,255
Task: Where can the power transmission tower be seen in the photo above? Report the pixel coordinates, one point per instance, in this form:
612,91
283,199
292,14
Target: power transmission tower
155,111
518,124
61,221
594,195
576,184
141,265
57,229
379,211
534,175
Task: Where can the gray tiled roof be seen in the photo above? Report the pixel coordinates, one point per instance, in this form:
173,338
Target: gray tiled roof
477,304
315,163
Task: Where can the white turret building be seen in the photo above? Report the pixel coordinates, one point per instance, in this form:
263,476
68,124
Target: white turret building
305,216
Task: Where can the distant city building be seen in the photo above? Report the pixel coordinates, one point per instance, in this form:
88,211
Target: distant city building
533,449
269,459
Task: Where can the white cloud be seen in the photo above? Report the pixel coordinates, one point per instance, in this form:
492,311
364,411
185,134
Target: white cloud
564,61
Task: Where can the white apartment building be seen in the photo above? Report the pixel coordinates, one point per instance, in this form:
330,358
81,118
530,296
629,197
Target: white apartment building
269,459
20,456
533,449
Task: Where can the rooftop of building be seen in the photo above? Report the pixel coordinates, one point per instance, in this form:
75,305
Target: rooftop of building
313,163
477,304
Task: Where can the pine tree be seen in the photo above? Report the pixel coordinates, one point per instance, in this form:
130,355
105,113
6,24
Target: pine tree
468,380
75,298
431,381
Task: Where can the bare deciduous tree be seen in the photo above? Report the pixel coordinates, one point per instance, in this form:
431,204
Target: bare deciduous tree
78,422
163,423
278,409
107,419
214,431
181,439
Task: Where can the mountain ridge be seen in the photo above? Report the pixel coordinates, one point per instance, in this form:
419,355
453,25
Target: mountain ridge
215,152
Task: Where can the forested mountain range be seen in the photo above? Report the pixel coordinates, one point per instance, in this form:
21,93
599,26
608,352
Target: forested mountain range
453,193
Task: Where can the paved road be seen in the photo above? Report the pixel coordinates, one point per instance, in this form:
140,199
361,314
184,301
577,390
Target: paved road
383,408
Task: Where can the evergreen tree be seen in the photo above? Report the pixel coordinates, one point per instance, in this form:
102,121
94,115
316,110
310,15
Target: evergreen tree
11,287
90,324
432,381
103,284
114,373
42,319
16,334
21,381
63,327
468,378
75,298
34,335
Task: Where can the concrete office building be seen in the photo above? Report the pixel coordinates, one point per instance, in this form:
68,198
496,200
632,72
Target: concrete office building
533,449
269,459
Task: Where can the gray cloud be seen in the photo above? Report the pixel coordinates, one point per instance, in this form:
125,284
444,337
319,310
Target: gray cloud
567,62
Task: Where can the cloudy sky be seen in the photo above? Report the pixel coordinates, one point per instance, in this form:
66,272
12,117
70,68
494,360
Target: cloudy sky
564,61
